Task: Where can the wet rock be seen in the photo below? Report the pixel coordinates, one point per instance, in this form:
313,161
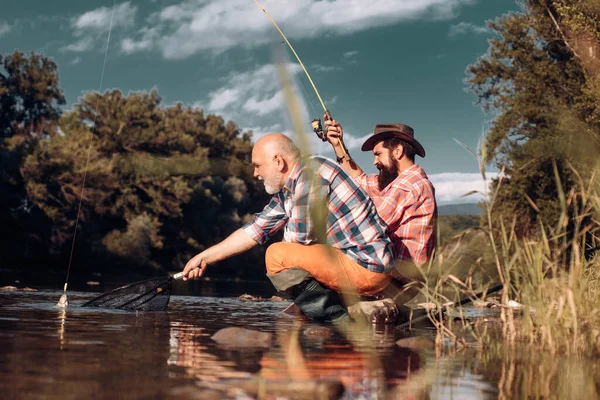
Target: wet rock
513,304
242,338
249,297
481,303
427,306
25,289
417,343
311,331
377,311
277,298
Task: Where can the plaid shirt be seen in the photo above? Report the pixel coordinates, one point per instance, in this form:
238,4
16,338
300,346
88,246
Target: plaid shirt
408,207
352,224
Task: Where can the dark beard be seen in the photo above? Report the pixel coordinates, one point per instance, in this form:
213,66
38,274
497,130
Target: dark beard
387,175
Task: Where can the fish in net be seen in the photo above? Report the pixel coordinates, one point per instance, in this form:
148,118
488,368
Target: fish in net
148,295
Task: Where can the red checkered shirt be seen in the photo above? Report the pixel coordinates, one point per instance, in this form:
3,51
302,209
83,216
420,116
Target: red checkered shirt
352,224
407,205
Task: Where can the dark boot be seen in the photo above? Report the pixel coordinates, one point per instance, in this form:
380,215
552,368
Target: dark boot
319,302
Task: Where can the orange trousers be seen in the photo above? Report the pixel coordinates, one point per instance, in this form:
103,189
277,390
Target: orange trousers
327,265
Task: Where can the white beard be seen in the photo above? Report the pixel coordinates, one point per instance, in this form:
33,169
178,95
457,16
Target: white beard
273,182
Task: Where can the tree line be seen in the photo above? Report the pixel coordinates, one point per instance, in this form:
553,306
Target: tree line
161,183
164,182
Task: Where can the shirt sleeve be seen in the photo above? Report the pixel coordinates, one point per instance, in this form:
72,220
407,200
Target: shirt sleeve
390,202
417,229
369,184
266,223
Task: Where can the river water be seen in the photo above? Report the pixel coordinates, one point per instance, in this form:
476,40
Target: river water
81,353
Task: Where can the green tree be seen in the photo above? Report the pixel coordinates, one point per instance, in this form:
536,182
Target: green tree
30,100
544,95
161,182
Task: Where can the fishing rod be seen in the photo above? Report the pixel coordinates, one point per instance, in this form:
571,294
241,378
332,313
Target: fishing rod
317,127
63,301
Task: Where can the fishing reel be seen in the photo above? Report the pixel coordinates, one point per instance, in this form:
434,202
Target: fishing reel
318,128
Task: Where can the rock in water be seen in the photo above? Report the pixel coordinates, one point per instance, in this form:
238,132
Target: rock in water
242,338
377,311
63,302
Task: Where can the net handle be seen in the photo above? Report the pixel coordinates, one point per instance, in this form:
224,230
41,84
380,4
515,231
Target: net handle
178,276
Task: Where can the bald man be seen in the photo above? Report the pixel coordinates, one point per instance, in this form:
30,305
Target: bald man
346,250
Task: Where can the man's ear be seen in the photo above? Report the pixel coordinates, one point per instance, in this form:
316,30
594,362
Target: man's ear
398,152
279,163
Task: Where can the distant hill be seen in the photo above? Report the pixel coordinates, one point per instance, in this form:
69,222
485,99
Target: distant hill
459,209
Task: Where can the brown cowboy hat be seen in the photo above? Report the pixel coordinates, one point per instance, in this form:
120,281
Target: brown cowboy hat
387,131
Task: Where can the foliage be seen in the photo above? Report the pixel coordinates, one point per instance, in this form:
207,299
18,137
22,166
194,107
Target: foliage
451,225
546,102
30,100
160,183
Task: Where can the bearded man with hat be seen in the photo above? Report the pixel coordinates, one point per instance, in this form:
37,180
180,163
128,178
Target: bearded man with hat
403,196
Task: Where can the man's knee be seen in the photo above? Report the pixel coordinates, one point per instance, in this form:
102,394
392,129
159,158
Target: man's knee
274,258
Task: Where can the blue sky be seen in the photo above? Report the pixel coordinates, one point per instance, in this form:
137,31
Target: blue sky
373,61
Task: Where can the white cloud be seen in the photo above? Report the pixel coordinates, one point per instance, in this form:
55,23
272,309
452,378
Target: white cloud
325,68
256,92
450,186
4,28
255,101
81,45
264,106
91,27
222,98
464,28
99,19
75,61
353,142
259,131
193,26
145,41
351,54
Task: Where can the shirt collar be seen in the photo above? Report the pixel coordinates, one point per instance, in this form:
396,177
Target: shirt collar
296,169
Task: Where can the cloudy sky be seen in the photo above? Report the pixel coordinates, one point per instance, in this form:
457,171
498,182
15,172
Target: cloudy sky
375,61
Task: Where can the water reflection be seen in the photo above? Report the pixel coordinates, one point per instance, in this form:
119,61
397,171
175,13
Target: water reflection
88,353
189,348
301,352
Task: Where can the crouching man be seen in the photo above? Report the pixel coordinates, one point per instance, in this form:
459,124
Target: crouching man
349,252
404,198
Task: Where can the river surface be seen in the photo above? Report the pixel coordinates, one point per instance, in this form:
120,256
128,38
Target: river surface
82,353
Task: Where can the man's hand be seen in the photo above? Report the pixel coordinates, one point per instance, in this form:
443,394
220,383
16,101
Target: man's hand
196,267
335,133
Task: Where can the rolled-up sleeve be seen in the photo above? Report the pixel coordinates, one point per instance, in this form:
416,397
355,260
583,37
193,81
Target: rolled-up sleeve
266,223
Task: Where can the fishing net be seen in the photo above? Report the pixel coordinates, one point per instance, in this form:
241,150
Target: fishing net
149,295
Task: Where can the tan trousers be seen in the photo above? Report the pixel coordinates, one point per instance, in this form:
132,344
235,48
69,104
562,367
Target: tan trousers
327,265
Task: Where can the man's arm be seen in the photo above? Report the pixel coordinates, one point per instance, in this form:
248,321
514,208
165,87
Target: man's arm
270,220
335,135
236,243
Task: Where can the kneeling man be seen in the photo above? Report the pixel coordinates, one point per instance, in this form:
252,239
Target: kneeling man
349,252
